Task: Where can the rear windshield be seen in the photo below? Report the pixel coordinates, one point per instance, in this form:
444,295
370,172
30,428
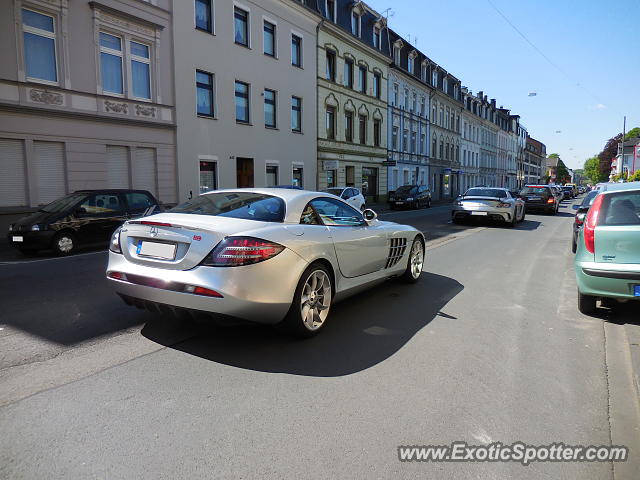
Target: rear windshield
407,189
62,204
244,205
485,192
621,209
535,191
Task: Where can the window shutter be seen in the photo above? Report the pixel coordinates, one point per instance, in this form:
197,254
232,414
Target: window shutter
49,171
144,170
13,185
117,167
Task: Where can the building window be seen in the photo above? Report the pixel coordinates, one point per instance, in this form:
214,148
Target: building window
348,126
423,72
348,73
377,85
204,96
330,123
362,79
39,45
434,147
406,99
331,178
269,108
269,39
434,78
298,177
296,51
422,106
330,9
208,176
241,21
396,55
410,64
296,114
405,140
140,70
413,142
272,176
242,102
394,138
377,38
395,94
355,23
445,85
422,143
331,65
111,63
377,132
413,102
204,20
363,129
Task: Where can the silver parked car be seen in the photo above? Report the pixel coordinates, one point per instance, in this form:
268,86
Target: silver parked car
263,255
351,195
488,202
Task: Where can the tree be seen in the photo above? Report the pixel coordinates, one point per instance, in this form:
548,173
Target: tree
592,170
633,133
635,177
554,155
607,154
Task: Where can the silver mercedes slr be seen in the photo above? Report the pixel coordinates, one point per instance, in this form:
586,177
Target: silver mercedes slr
266,255
490,203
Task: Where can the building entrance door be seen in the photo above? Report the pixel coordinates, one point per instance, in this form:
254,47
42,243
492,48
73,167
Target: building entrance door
244,172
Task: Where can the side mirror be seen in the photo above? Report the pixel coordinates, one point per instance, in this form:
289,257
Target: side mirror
581,217
369,215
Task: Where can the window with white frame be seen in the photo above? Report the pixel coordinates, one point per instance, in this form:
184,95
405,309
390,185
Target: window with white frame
111,63
330,9
140,70
434,78
423,72
241,26
39,35
355,23
406,99
445,86
410,64
395,94
377,37
269,38
396,55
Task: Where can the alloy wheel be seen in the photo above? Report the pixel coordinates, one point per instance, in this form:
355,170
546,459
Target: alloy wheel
315,300
416,259
64,244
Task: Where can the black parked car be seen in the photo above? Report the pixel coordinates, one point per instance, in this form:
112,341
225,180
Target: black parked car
581,213
540,197
85,217
414,196
568,191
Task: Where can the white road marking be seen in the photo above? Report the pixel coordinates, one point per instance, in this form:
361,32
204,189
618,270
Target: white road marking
18,262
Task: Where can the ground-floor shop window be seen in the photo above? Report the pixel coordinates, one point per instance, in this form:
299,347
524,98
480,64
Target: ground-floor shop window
272,175
208,176
331,178
369,181
298,177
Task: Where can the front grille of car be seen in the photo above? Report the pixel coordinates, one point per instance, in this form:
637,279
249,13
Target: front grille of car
396,251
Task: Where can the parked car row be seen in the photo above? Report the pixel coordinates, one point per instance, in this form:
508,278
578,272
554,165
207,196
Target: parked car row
606,240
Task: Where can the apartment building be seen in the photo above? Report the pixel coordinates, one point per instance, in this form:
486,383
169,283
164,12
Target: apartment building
86,99
245,75
352,98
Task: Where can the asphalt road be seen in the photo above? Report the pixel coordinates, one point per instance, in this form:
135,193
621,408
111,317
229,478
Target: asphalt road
487,347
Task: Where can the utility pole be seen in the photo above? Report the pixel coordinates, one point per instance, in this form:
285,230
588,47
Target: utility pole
624,131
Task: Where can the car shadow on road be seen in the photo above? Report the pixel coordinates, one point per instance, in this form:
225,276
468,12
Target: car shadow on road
526,224
362,331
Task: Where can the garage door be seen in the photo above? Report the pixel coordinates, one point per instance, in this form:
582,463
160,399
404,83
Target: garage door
49,173
13,185
117,167
144,170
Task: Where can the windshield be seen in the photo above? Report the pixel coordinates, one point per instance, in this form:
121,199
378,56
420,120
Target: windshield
244,205
64,203
485,192
405,189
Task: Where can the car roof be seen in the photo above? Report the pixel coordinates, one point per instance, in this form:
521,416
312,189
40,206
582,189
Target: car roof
111,190
295,200
616,187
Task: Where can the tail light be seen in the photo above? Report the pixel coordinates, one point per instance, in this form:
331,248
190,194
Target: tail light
551,200
589,229
503,205
238,251
114,244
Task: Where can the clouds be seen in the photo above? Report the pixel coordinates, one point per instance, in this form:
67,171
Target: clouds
597,106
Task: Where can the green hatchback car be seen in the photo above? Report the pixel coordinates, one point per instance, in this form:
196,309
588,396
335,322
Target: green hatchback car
607,262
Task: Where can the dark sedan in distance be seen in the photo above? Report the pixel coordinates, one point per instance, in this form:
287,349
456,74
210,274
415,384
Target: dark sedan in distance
540,197
413,196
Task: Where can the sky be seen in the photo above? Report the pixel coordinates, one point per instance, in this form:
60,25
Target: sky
584,64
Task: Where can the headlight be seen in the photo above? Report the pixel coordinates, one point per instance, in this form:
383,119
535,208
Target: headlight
457,203
35,228
114,244
409,199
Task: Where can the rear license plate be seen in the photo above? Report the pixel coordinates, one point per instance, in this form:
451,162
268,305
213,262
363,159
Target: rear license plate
165,251
478,213
399,203
18,239
636,291
534,198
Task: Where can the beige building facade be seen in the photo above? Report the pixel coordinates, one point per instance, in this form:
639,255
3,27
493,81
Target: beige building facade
352,112
86,99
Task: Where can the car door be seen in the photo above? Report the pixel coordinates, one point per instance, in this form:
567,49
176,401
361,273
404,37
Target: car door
360,248
98,216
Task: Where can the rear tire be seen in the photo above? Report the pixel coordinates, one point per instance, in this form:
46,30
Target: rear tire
429,203
586,304
311,303
574,245
415,262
